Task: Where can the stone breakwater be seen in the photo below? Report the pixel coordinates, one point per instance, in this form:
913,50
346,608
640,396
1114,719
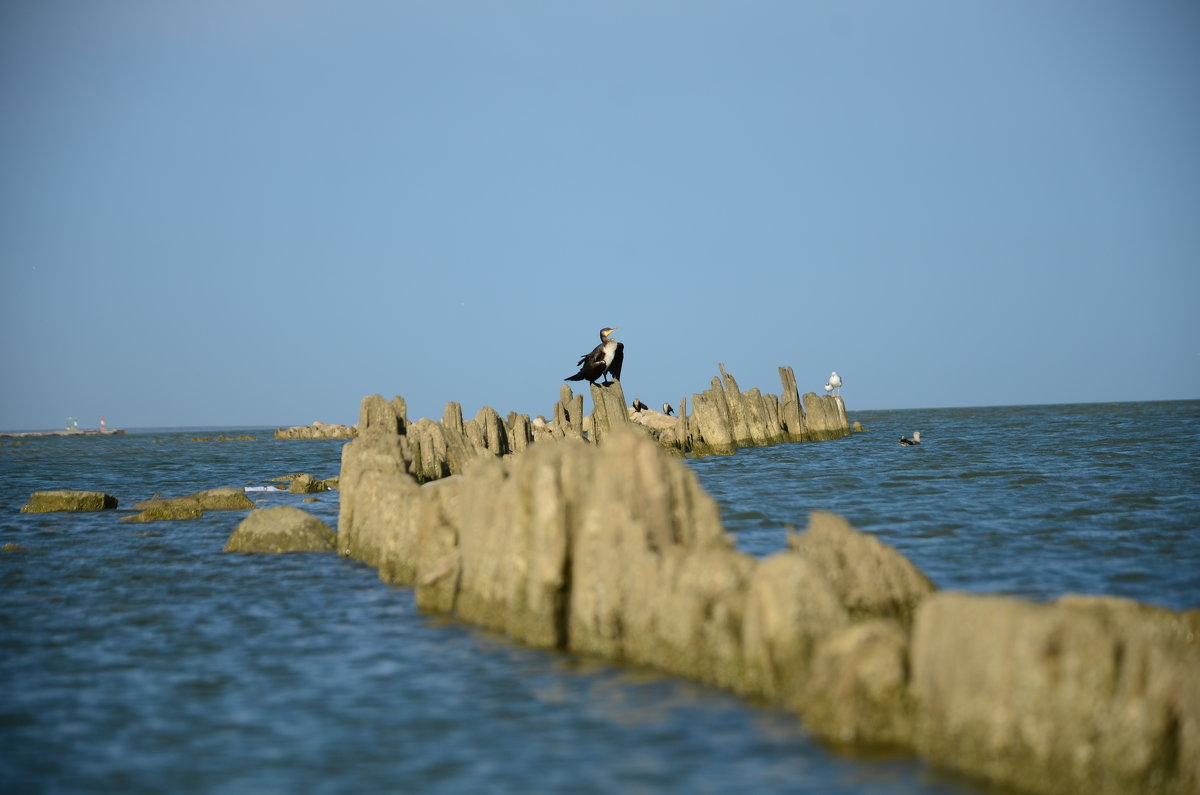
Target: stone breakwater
318,430
614,549
723,418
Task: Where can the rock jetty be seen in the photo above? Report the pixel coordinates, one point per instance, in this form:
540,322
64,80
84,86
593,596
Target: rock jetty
613,549
318,430
723,419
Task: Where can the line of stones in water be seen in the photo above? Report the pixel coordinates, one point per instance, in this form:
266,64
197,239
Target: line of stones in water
610,547
723,419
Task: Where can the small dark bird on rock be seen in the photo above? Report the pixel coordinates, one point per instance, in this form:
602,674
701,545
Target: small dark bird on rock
667,409
605,359
639,405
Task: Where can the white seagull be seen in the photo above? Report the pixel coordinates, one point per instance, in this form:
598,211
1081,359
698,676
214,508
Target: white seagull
835,381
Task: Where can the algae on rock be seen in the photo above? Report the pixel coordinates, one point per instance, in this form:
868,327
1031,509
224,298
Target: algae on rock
67,500
281,529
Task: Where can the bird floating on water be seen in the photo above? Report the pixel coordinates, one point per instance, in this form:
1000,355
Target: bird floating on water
835,381
667,409
605,359
916,439
639,405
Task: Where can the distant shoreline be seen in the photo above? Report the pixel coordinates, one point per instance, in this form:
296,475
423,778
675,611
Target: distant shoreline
209,428
86,432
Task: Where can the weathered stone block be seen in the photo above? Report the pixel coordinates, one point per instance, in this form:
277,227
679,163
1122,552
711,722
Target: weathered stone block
223,500
281,529
1097,695
790,606
51,501
871,579
305,483
856,691
166,510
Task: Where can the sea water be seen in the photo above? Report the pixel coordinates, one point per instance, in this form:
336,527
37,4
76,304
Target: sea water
139,658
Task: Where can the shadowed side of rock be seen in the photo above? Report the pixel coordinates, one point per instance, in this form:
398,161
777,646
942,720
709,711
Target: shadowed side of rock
568,414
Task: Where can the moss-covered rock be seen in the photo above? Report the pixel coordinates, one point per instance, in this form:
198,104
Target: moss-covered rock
281,529
51,501
318,430
160,510
305,483
223,500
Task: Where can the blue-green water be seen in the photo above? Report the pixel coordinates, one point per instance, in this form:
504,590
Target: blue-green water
1031,500
138,658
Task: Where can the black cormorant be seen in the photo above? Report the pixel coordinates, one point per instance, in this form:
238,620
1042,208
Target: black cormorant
639,405
667,409
604,360
916,439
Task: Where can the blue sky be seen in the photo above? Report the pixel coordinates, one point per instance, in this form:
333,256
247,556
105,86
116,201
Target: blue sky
256,212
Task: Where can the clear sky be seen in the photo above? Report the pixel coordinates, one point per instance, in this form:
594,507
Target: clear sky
255,212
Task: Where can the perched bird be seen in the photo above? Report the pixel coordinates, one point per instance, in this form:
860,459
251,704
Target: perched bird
828,387
605,359
639,405
835,381
667,409
916,439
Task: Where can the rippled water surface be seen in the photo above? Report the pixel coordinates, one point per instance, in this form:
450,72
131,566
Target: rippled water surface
1031,500
139,658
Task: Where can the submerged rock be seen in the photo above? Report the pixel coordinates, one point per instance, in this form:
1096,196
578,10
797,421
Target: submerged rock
305,483
159,510
192,506
281,529
51,501
223,500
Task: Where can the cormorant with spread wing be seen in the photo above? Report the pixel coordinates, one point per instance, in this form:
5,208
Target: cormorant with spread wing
605,359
